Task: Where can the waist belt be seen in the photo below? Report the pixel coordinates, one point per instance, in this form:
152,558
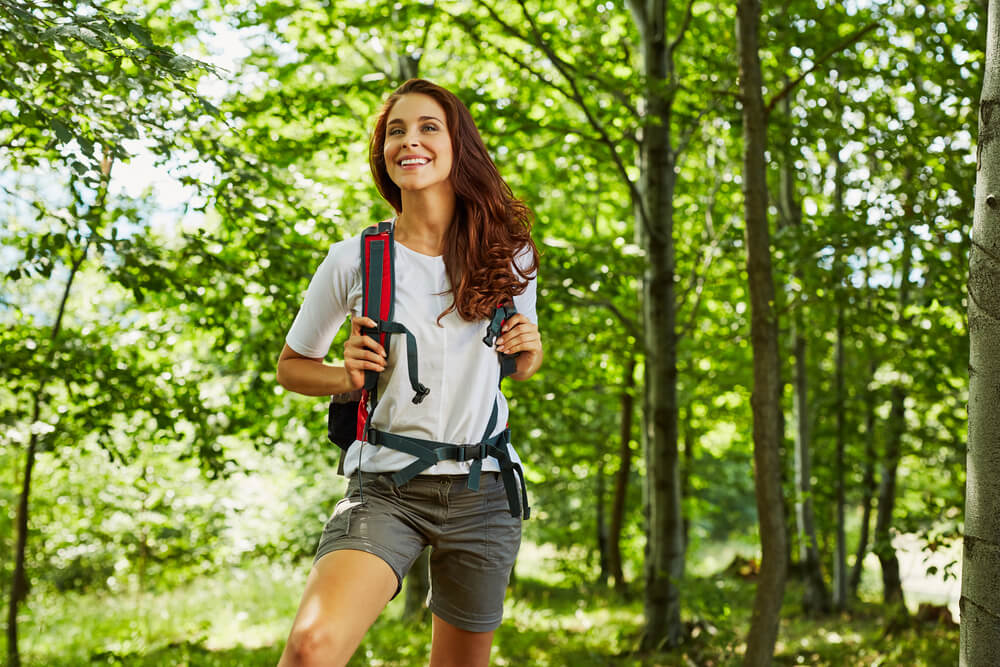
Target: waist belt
429,452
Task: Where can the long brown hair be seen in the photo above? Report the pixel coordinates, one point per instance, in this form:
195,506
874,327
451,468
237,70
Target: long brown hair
490,226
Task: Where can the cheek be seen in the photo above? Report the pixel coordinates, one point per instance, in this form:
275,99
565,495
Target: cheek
447,152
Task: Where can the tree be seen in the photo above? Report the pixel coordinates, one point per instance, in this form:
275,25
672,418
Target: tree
980,602
766,397
69,74
638,110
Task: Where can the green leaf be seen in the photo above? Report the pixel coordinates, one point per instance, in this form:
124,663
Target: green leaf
63,133
141,34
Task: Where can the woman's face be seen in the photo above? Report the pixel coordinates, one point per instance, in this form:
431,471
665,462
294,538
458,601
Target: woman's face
417,147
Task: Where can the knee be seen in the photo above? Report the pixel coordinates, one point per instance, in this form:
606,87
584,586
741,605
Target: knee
311,646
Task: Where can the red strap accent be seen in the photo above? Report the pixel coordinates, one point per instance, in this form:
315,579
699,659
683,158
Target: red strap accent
362,415
386,300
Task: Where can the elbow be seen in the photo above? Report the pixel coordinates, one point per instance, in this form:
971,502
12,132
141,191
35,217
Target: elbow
281,374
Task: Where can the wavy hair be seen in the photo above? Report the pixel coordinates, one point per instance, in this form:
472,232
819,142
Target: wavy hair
490,228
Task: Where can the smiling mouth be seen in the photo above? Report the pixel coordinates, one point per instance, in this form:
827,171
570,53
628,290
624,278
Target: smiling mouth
413,162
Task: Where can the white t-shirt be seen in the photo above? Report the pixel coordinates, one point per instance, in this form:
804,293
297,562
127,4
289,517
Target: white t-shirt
461,372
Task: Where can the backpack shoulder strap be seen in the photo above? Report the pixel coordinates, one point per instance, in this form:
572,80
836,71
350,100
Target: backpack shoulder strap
378,280
378,275
503,312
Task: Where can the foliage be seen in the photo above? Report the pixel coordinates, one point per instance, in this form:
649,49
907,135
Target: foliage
166,450
240,617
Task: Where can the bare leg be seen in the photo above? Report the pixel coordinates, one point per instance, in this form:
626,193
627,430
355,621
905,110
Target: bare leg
345,593
454,647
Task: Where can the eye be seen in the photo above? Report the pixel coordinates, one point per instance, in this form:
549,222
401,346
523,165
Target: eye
430,128
395,131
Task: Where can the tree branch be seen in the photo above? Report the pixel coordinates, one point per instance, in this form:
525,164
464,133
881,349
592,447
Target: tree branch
577,97
688,132
567,70
698,279
371,63
848,41
685,24
468,25
631,326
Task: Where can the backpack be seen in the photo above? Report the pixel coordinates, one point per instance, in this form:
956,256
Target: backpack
348,417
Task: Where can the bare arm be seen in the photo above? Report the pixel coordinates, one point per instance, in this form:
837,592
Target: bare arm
311,377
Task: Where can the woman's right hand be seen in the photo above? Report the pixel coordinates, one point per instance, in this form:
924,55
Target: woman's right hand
362,353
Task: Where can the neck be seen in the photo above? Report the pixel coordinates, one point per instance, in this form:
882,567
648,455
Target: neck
424,220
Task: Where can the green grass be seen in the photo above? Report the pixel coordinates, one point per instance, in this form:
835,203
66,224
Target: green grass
242,617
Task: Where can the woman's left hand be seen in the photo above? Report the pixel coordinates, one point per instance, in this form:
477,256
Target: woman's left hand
520,336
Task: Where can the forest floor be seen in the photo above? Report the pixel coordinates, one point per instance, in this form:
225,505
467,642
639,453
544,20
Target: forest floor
241,618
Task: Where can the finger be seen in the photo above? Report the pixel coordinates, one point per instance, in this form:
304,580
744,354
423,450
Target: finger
524,342
523,332
353,363
513,321
366,366
363,341
366,355
357,323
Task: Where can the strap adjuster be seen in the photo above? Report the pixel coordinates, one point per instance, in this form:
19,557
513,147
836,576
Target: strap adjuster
474,452
422,392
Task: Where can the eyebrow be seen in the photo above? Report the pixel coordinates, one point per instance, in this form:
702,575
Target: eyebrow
399,121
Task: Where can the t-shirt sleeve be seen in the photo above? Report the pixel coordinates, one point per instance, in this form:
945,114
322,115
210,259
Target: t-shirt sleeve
327,302
525,303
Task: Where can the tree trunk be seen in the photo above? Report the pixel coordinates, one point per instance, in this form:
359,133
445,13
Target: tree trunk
19,580
814,595
892,588
664,562
765,399
840,546
601,520
980,602
687,465
867,486
418,584
621,478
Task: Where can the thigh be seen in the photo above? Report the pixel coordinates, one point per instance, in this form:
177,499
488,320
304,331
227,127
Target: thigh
344,594
377,521
473,557
454,647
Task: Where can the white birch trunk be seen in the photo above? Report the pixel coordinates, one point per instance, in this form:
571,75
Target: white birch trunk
980,602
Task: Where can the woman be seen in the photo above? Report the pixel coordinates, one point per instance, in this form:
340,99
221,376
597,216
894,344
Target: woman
463,245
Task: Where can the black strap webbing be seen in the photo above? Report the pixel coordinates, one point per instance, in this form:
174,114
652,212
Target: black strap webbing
373,298
429,452
419,390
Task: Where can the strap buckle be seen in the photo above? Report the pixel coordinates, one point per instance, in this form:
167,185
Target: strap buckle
500,316
475,452
422,392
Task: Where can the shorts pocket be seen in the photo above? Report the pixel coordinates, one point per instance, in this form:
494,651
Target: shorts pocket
339,523
503,531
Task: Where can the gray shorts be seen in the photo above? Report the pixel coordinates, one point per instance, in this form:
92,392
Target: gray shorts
474,539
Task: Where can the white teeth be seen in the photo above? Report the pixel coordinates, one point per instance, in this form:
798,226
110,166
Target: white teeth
413,160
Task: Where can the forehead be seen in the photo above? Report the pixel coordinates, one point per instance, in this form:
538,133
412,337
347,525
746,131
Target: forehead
414,107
